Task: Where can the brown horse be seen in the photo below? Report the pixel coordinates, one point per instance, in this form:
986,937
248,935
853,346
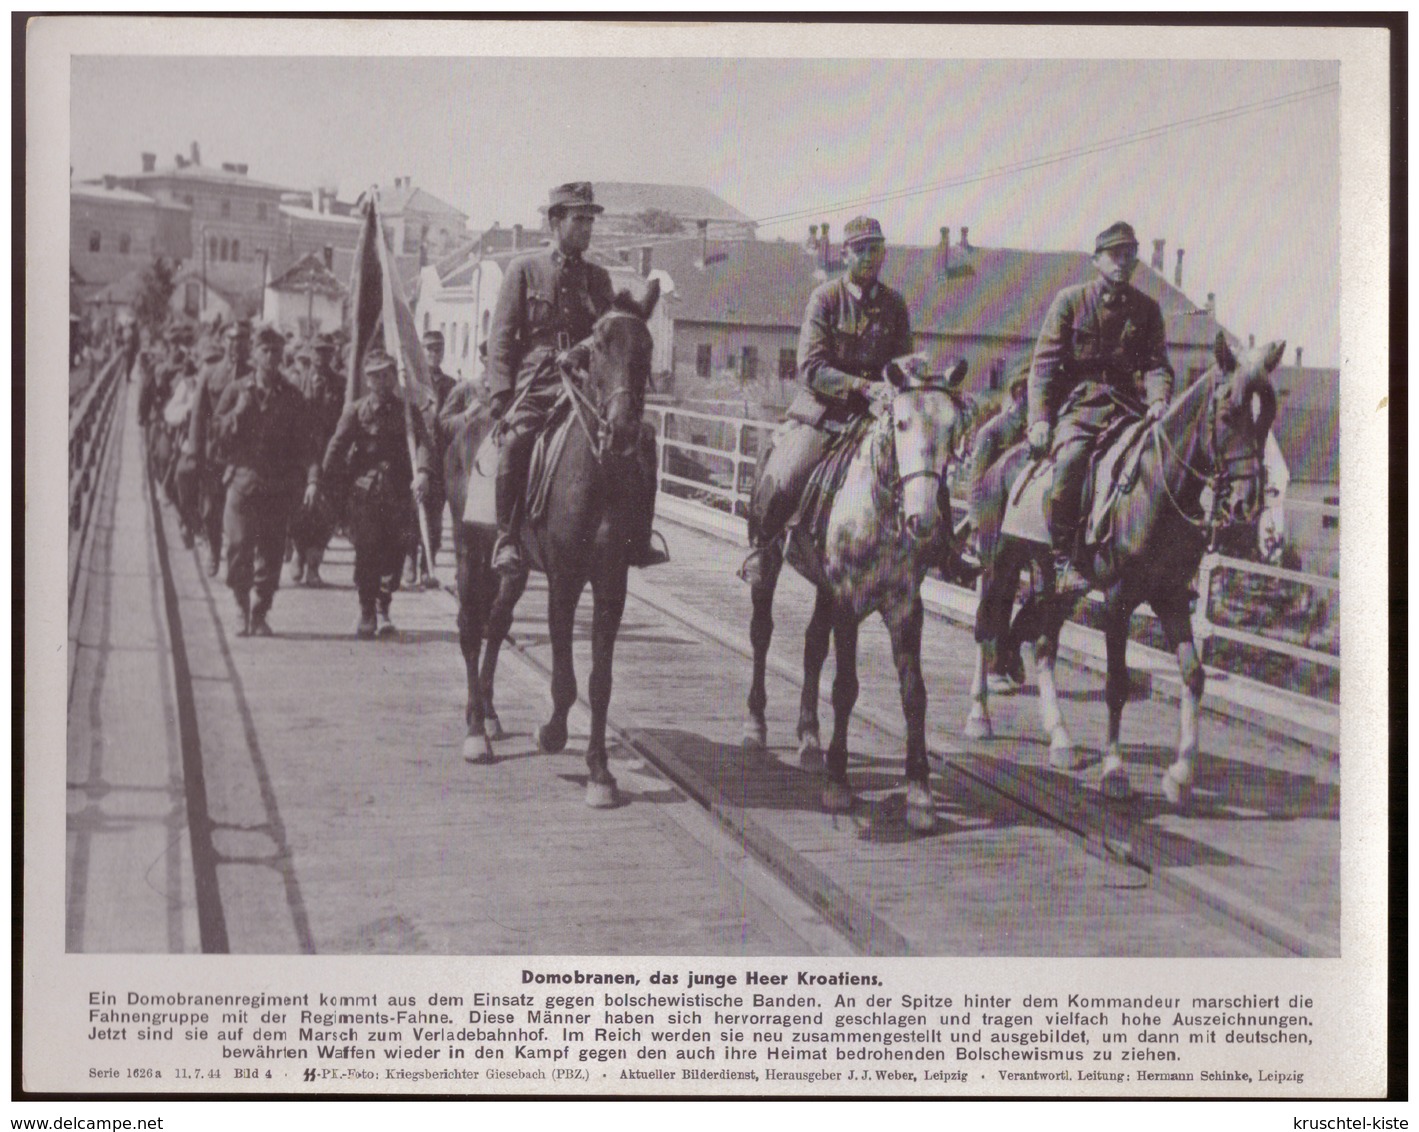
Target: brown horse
884,529
1208,438
580,537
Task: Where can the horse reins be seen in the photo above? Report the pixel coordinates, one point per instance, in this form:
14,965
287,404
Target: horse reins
587,410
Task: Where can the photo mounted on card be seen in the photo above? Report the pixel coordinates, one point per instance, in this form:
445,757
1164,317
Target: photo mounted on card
705,559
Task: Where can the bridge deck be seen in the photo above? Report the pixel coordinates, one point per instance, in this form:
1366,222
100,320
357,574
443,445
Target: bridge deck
343,819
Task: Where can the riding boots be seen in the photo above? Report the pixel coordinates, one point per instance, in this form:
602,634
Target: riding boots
508,488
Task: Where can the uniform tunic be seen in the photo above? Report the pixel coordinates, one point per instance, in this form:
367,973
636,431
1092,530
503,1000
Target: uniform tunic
200,469
1100,352
371,449
311,527
267,443
437,495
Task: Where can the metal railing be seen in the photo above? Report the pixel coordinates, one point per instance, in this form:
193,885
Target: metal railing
709,459
91,420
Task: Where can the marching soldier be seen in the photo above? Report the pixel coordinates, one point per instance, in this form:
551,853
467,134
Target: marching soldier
419,570
1102,351
203,462
548,303
324,392
262,423
370,450
853,327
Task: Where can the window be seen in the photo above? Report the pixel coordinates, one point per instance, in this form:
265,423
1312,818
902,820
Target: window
191,299
261,210
1330,522
787,363
466,336
328,254
211,247
487,319
749,370
236,250
187,199
226,208
125,243
426,322
226,249
703,359
95,242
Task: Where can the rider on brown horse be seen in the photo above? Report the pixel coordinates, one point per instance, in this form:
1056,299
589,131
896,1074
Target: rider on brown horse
548,303
853,327
1098,339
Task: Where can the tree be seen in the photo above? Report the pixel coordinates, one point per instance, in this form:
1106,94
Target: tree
658,222
154,294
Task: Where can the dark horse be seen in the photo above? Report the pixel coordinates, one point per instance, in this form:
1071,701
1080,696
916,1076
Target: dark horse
1208,438
580,537
884,529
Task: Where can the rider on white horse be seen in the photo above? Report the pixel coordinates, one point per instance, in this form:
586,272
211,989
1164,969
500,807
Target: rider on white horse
1101,341
853,327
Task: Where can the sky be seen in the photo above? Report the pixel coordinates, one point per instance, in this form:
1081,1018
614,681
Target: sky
1237,162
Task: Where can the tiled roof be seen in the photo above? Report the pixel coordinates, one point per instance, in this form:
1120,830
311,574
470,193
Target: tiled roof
308,273
407,198
688,201
996,292
1308,422
205,173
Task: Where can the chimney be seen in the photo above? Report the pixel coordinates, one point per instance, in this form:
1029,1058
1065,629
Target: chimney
179,161
1177,272
703,226
812,237
1298,357
645,253
241,168
110,181
228,167
1211,302
943,253
196,154
1158,256
965,238
150,162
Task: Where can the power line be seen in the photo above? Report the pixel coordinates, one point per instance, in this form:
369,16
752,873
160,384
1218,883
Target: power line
1061,156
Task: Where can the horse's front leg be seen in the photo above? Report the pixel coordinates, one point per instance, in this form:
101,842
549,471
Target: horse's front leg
1176,620
991,626
1062,755
563,593
608,593
761,633
837,794
815,652
1114,782
499,595
472,618
904,619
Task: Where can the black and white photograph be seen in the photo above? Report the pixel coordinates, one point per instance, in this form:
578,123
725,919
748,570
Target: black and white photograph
736,558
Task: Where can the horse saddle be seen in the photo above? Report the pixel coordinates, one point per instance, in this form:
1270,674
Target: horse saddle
480,502
1112,474
816,504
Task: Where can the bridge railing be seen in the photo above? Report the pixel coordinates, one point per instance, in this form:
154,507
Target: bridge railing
92,414
1249,617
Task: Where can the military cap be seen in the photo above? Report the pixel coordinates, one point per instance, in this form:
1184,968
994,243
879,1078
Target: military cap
239,329
269,335
305,350
377,360
1116,235
573,196
433,337
211,349
863,230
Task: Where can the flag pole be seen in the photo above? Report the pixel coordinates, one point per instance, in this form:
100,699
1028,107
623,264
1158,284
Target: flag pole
391,334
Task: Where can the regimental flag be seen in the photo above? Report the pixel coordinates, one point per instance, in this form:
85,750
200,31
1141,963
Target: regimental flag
381,315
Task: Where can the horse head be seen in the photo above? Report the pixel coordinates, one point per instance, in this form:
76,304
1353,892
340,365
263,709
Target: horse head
1243,411
618,366
923,417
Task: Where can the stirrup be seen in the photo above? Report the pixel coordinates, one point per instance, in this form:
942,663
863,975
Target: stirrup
507,559
650,554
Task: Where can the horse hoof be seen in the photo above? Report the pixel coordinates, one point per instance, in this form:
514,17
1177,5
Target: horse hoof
810,751
551,739
1065,758
837,797
979,729
1114,782
755,741
1177,786
601,795
478,749
921,810
493,728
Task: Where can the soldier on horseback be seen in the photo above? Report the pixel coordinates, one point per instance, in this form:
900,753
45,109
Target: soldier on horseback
853,327
548,303
1101,352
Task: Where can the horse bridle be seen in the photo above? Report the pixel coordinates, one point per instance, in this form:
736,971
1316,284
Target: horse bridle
1210,527
587,410
899,483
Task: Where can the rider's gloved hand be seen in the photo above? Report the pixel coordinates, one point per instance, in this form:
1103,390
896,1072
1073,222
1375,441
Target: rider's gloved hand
575,358
1156,409
312,493
1038,437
